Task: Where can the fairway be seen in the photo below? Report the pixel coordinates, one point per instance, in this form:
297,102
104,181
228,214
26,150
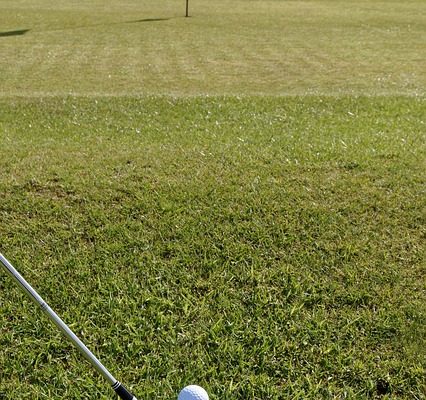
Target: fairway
109,47
234,200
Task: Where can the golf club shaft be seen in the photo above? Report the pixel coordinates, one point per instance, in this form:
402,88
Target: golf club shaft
17,277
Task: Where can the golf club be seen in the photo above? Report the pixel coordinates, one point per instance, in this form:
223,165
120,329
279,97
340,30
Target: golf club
121,391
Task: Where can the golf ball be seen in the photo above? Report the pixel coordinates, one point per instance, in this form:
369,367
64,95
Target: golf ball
193,392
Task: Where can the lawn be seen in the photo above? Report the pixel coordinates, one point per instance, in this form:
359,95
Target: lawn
273,47
234,199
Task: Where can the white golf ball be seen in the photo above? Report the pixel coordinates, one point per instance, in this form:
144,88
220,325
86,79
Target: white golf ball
193,392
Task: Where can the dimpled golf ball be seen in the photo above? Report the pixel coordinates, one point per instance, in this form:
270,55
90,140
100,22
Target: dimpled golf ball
193,392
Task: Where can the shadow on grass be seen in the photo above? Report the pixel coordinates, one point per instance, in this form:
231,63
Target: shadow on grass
14,33
24,31
148,20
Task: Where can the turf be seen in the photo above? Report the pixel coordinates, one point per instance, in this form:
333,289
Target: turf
135,47
234,199
262,247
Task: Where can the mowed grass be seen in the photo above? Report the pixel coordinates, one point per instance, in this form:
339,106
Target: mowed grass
140,47
234,199
265,248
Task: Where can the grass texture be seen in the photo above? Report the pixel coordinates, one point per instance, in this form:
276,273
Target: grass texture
272,47
234,199
265,248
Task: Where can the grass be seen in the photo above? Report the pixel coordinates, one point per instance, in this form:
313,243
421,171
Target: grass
234,199
144,47
262,247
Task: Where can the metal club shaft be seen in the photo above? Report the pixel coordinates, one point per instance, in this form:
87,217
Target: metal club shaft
17,277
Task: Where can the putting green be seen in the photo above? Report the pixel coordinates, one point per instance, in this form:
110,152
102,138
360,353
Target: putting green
140,47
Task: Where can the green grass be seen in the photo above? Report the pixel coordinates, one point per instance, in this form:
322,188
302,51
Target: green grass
265,248
234,199
109,47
